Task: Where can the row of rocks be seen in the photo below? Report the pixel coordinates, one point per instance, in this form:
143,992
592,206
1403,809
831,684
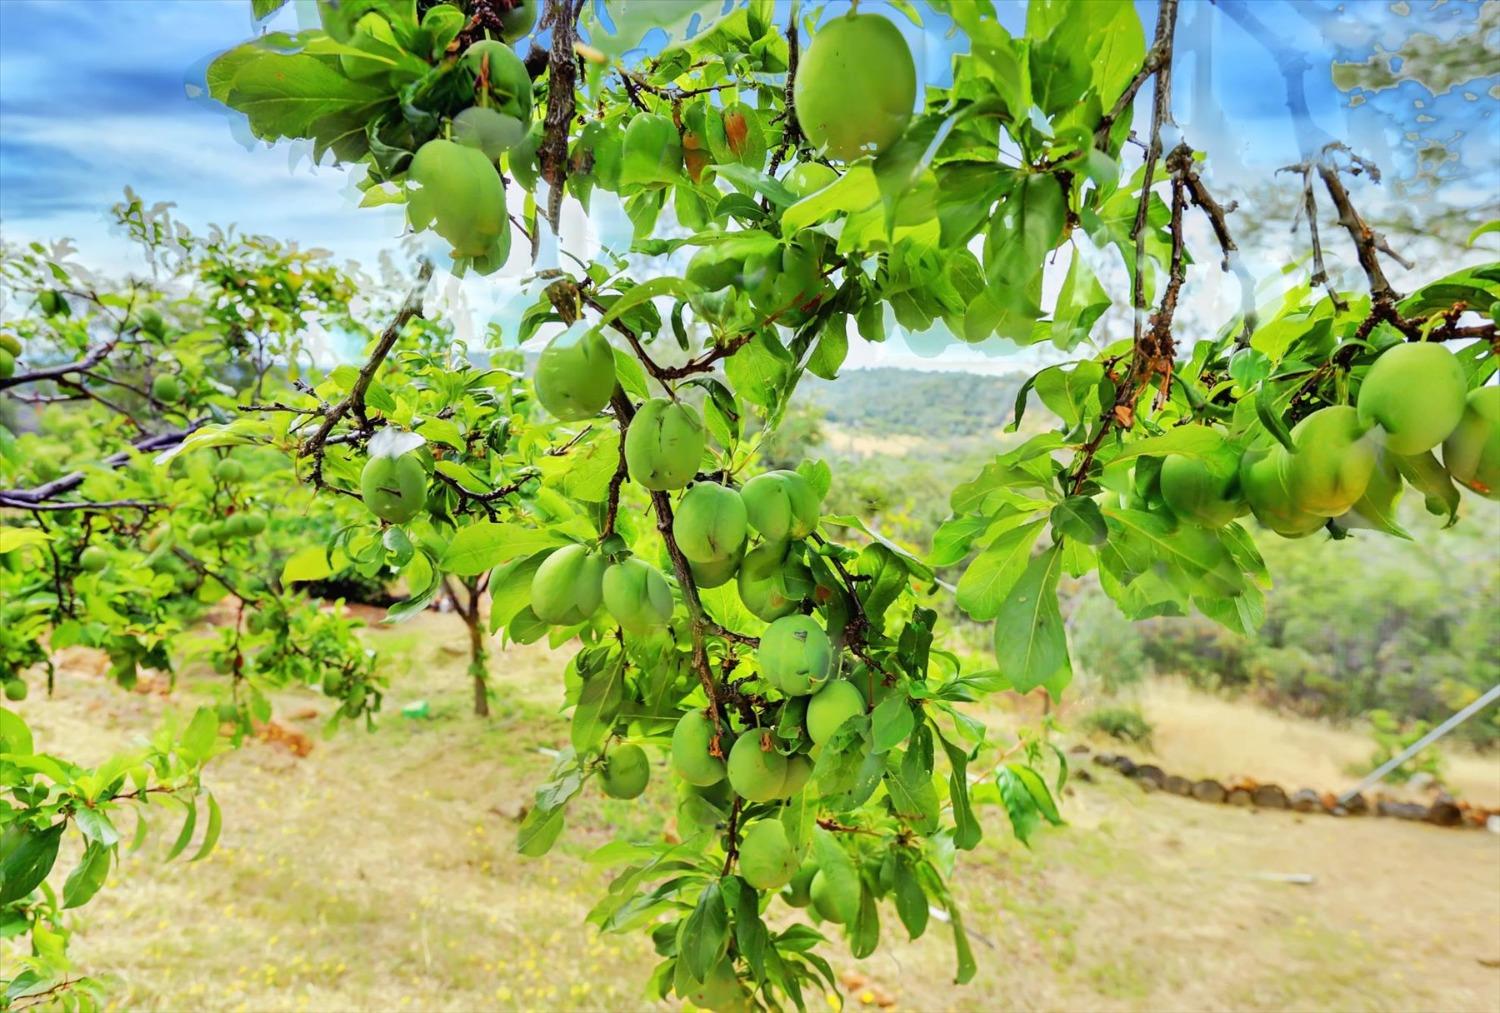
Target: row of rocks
1444,811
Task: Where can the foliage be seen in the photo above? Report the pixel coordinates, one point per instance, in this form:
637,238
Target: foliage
1391,736
740,280
1127,724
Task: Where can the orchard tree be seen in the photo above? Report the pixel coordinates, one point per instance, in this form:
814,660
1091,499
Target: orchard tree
103,547
794,186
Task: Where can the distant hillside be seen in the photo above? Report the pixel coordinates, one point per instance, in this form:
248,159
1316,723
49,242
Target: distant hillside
889,400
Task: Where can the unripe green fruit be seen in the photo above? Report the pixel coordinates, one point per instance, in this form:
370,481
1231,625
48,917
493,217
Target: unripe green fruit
200,534
795,655
808,178
664,444
252,523
780,505
509,83
790,281
690,756
459,195
798,892
770,583
1333,461
7,365
150,320
834,704
652,152
52,303
10,343
637,596
798,772
626,771
755,774
488,131
229,471
832,903
711,575
166,389
93,559
767,859
1203,491
710,524
1263,481
227,712
720,992
16,689
575,375
717,266
1415,392
735,134
569,585
517,21
1472,451
855,87
394,488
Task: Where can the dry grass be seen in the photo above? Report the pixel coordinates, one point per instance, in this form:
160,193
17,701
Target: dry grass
378,873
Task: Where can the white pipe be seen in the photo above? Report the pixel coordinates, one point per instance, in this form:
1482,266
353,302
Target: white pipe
1422,743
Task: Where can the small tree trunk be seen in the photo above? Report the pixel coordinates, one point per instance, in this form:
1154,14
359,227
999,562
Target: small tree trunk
477,656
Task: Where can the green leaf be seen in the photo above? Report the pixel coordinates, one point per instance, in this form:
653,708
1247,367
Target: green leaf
911,901
539,831
1029,224
186,834
486,544
199,738
838,871
1036,787
677,288
88,876
1031,647
12,538
1078,518
96,826
705,935
26,864
1019,805
1484,230
310,563
989,578
296,96
211,832
1196,442
891,723
598,706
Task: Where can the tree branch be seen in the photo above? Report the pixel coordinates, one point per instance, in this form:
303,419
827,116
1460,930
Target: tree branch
355,400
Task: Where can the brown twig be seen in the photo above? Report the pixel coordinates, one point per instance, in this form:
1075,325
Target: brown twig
1151,349
791,128
562,101
354,401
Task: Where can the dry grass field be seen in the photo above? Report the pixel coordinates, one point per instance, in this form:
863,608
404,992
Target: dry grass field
377,873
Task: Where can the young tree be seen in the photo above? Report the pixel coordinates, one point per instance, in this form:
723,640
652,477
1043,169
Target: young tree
816,730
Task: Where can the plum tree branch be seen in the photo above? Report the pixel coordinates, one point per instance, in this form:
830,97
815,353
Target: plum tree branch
354,401
562,101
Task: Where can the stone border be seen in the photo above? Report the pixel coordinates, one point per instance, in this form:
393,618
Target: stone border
1444,811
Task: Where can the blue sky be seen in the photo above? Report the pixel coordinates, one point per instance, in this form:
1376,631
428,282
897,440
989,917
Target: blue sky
95,95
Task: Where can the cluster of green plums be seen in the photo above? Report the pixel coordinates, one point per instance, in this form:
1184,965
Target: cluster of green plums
10,351
1348,461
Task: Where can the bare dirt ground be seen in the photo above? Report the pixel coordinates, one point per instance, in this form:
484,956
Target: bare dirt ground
377,872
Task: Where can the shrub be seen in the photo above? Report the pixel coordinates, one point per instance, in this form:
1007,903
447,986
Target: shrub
1125,723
